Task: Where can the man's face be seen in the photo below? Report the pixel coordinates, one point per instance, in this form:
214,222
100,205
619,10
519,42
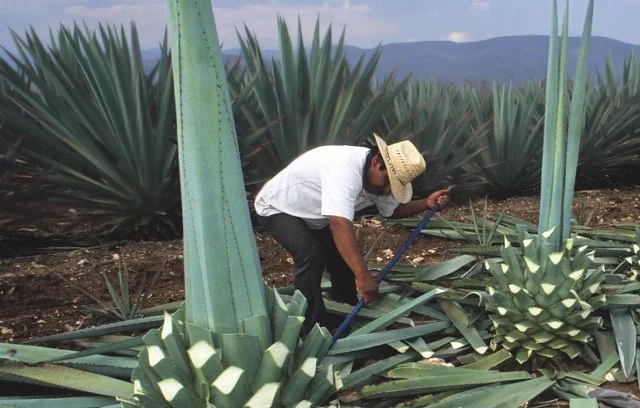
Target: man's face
377,181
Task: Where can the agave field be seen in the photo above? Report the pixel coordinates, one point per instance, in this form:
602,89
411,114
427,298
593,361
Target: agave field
528,298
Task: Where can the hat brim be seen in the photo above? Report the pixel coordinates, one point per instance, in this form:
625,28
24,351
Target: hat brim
401,192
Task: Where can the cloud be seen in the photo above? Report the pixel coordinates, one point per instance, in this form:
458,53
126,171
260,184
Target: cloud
117,12
458,36
480,6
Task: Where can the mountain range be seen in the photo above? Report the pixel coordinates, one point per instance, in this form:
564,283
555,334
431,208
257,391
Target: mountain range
515,58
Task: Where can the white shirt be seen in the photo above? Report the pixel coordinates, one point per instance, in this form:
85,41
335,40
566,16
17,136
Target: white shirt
325,181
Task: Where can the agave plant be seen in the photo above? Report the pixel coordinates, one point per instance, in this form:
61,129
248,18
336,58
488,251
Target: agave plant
11,167
545,294
97,124
123,307
313,98
510,161
610,146
8,166
437,119
232,345
256,150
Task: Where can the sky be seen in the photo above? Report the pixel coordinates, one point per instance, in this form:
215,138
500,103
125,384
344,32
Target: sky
368,22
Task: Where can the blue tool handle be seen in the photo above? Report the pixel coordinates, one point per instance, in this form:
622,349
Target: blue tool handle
347,321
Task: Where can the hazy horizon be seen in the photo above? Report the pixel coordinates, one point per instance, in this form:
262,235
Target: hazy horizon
368,23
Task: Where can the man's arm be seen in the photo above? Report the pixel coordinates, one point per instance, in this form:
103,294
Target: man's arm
347,244
414,207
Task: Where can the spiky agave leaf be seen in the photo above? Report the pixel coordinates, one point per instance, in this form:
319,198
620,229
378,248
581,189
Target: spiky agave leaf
543,301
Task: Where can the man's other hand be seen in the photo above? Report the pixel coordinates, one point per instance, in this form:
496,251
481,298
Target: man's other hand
440,197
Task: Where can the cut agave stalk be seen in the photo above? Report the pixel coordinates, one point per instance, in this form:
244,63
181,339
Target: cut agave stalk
69,402
371,373
353,343
511,395
460,320
430,378
58,376
399,311
625,335
583,403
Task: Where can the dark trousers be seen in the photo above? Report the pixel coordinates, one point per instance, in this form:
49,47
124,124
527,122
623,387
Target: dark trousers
313,251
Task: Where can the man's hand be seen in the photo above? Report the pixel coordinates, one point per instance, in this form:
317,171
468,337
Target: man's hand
440,197
347,244
367,287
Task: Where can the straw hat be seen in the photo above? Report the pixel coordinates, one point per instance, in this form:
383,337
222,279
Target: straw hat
404,163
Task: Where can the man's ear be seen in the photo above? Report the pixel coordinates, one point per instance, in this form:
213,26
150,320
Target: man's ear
378,162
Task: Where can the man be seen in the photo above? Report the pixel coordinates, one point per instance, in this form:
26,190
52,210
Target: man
309,207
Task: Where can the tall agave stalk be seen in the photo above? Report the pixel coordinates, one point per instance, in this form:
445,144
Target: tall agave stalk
561,144
232,345
544,296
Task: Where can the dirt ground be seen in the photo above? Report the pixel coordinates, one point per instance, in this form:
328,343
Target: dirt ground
35,301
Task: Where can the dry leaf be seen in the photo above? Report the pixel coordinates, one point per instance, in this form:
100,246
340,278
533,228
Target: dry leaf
28,229
436,361
350,396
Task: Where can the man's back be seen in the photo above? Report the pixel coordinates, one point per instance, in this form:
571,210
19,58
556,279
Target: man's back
324,181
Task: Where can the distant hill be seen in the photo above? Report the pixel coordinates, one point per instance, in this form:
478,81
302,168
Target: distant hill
516,58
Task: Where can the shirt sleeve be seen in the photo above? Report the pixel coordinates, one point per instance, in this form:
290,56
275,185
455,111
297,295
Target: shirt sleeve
386,204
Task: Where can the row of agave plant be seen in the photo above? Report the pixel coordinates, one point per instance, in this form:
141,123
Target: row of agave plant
97,126
553,293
